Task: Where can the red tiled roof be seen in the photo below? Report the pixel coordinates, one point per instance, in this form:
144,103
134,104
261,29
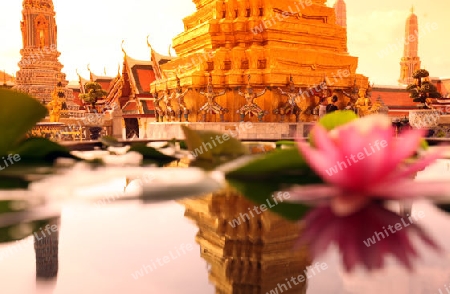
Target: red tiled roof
105,83
130,106
76,98
445,87
142,73
143,76
393,97
148,106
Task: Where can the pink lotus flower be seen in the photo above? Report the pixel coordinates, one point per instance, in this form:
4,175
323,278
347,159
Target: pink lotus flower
362,164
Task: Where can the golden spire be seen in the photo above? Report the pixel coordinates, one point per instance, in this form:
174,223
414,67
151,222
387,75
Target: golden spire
170,53
123,50
148,42
412,9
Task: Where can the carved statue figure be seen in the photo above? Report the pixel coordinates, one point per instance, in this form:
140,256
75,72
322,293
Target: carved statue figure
251,108
211,106
179,96
363,103
290,107
54,107
159,113
167,100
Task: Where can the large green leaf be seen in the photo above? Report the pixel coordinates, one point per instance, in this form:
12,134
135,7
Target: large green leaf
23,230
337,118
12,182
285,143
259,177
208,145
279,162
150,153
109,141
41,149
268,193
18,114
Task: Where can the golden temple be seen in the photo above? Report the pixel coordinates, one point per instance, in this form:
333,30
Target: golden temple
260,46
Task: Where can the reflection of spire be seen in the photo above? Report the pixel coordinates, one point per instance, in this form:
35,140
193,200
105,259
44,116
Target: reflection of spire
46,253
255,256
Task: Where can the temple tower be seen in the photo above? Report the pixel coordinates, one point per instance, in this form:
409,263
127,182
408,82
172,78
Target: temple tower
262,45
341,13
410,61
40,71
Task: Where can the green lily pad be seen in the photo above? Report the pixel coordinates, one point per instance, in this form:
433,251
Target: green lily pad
152,154
7,206
278,144
273,195
12,183
183,145
109,141
40,149
23,230
18,114
206,145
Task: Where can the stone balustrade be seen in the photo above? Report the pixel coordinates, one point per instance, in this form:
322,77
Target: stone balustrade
241,130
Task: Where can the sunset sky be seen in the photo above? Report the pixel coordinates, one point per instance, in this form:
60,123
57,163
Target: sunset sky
90,32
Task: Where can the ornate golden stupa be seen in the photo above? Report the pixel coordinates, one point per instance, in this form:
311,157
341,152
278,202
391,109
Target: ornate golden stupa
232,51
255,256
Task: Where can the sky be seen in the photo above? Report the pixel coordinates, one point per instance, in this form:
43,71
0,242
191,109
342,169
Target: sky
91,33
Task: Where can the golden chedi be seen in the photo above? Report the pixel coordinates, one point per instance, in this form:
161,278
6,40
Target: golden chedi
281,45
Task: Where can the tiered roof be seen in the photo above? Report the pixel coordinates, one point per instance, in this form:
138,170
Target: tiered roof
131,91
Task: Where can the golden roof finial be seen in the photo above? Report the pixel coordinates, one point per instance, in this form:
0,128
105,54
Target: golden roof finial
412,9
123,50
148,42
89,67
170,53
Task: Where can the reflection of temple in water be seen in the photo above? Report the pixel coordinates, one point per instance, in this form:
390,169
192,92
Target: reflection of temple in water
254,257
46,250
